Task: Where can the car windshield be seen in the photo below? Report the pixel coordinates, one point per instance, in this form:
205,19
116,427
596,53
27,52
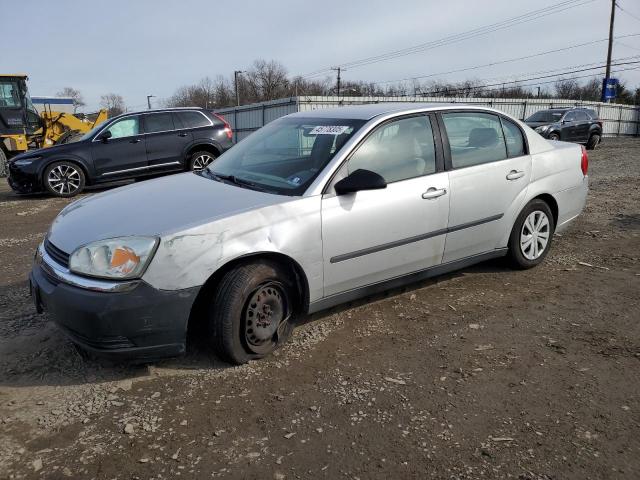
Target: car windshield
549,116
285,156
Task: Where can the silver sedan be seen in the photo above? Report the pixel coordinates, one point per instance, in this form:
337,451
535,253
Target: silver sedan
315,209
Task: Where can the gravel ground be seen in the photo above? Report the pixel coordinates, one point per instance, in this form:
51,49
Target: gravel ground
485,373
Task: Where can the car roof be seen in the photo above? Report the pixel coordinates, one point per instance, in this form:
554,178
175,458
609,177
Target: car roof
371,110
156,110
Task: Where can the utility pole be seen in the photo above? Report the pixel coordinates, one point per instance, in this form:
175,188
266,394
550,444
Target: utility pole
337,69
235,81
610,48
149,97
538,92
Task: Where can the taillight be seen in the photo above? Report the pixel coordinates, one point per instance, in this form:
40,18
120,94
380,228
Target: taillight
227,128
584,162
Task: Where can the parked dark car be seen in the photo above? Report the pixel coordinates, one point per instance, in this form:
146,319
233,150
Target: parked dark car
128,146
578,125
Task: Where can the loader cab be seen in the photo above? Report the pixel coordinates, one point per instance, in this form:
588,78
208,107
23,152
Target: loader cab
18,116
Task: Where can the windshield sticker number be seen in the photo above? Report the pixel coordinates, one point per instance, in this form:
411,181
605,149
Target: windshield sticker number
329,130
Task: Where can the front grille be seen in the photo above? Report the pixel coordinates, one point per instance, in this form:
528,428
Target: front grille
58,255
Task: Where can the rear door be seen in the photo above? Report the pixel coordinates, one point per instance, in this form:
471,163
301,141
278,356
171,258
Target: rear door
166,144
373,236
489,173
124,153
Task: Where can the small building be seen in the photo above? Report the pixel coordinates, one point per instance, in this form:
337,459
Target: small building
56,104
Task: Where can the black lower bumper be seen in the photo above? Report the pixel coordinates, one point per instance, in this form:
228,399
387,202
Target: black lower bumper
23,182
141,324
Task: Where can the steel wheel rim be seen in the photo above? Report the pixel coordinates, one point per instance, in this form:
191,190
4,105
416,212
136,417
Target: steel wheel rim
202,161
64,179
534,235
265,311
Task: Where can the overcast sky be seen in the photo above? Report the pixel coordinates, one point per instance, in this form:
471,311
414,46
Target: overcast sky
136,48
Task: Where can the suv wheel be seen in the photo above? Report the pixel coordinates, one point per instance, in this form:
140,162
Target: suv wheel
531,236
554,136
593,142
251,313
64,179
200,160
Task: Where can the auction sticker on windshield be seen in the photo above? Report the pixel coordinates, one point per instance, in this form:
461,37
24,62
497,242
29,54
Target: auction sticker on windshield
329,130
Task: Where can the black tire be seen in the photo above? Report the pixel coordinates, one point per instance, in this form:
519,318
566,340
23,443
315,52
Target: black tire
593,141
201,159
4,164
516,255
554,136
235,313
64,179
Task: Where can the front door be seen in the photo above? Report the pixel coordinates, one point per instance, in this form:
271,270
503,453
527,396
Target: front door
165,144
122,154
376,235
489,175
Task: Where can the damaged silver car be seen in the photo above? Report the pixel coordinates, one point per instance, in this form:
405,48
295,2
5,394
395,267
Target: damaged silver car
313,210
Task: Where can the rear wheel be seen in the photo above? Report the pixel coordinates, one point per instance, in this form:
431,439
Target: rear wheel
64,179
251,313
531,236
554,136
593,141
4,165
200,160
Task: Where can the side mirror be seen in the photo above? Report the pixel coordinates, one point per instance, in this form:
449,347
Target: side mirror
360,180
104,136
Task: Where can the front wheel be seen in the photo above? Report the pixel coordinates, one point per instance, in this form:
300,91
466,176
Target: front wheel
251,313
64,179
531,236
554,136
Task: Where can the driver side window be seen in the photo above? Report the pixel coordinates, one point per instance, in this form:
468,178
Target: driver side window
398,150
127,127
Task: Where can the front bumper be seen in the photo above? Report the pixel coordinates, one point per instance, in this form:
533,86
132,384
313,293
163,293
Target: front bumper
139,322
22,181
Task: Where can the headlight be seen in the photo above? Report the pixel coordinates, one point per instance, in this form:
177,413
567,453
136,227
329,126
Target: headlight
22,162
116,258
542,128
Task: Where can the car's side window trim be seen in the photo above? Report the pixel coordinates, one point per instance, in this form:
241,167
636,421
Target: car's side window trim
437,143
211,124
445,138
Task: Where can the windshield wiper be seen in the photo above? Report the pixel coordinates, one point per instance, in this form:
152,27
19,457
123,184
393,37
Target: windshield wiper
241,182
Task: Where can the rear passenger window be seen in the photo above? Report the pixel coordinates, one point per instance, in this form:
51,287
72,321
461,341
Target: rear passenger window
398,150
158,122
474,138
193,119
513,136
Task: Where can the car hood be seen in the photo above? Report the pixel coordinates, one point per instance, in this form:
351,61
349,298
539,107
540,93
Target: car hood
52,150
154,207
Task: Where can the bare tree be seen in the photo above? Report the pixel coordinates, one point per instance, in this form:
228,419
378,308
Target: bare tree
78,100
206,94
114,104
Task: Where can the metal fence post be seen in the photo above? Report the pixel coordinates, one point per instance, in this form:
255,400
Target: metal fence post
619,119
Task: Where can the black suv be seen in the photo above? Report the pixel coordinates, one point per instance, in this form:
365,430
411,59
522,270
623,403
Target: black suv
579,125
128,146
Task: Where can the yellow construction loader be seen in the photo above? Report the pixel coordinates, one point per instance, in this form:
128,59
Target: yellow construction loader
23,128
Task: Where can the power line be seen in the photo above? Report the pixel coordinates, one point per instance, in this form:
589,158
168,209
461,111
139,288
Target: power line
523,18
502,84
627,12
476,67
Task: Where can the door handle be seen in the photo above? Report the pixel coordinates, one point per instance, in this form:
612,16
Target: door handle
514,175
135,140
182,134
433,192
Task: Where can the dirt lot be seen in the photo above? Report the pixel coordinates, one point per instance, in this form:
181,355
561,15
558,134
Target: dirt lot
487,373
